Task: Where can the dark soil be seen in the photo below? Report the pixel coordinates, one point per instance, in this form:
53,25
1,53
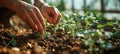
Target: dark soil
58,43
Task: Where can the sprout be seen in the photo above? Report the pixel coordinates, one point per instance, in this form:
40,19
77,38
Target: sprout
47,34
12,42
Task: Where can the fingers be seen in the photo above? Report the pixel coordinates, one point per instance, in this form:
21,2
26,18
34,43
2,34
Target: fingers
35,17
27,19
52,15
55,14
50,20
32,19
31,16
47,16
57,20
40,18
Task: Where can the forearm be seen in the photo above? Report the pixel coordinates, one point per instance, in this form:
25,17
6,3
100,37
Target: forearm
8,4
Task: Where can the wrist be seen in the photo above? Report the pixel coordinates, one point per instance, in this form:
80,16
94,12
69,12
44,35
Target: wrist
39,1
41,4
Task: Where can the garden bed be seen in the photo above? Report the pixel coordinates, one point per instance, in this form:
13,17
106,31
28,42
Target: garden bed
71,36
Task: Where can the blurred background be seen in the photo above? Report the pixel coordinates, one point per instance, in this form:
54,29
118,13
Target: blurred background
109,8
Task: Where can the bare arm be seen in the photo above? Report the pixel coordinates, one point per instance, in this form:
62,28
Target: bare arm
30,14
8,4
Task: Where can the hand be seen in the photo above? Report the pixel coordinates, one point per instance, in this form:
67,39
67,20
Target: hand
30,15
50,13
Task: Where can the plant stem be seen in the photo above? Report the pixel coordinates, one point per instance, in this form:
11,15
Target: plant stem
9,42
91,47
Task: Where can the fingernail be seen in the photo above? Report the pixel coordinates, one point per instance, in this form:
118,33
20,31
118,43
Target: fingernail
43,32
36,27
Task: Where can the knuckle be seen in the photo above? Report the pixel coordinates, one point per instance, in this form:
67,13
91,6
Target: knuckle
36,8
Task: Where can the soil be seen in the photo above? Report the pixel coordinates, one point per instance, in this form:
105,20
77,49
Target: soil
58,43
27,42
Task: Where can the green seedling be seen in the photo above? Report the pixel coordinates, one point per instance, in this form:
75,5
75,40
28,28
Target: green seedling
47,34
39,34
80,25
12,42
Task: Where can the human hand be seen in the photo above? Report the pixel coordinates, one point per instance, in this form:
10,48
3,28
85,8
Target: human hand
30,15
49,12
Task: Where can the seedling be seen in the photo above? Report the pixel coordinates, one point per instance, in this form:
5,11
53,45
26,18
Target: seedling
39,34
12,42
77,24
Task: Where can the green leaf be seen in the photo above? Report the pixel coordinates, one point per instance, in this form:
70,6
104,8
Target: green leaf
100,26
110,23
47,34
13,42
